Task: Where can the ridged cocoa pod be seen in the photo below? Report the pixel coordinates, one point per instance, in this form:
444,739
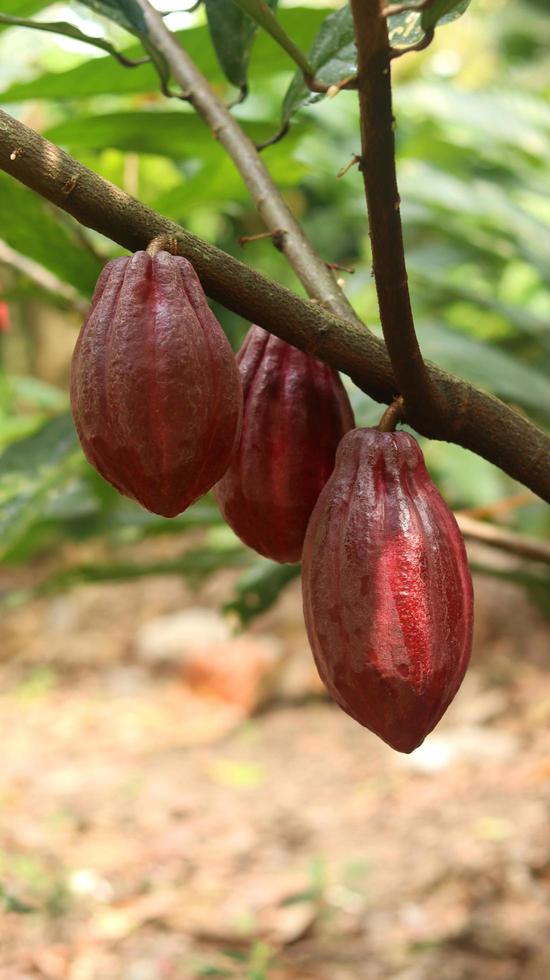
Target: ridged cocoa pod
387,590
295,413
155,389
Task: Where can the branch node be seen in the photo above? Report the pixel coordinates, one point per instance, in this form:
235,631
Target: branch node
69,185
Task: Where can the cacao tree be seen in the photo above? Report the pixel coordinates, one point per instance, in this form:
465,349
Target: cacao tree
217,131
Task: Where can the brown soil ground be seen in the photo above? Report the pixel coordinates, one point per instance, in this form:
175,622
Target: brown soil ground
147,833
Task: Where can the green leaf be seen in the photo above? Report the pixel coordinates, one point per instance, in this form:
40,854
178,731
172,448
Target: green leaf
232,32
22,8
32,472
104,76
332,56
69,30
127,13
442,11
259,588
410,27
29,226
177,135
262,14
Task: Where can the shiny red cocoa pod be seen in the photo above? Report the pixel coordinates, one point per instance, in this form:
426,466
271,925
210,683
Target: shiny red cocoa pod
295,413
387,590
155,389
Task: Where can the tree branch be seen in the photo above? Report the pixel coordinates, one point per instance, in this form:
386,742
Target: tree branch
42,277
423,400
312,272
472,418
499,537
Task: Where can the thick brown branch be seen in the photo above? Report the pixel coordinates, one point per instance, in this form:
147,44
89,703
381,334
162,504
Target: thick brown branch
312,272
473,419
422,398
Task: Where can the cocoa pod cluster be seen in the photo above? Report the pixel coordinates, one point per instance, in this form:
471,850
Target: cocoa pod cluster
165,412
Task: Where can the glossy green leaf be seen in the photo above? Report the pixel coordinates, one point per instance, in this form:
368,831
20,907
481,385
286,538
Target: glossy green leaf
126,13
333,57
232,32
263,15
129,15
442,11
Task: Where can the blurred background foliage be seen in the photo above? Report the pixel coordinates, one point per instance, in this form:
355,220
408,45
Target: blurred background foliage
473,144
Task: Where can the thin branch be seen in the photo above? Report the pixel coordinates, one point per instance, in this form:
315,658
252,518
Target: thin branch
310,268
42,277
500,537
471,418
521,499
277,237
422,398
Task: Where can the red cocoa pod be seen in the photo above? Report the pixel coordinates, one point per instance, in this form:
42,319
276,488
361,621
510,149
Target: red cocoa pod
295,413
155,388
387,590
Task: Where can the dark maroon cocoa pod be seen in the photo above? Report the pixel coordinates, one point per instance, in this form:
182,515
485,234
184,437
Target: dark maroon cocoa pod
155,390
295,413
387,590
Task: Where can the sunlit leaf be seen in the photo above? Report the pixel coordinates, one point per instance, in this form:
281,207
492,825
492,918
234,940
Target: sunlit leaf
232,31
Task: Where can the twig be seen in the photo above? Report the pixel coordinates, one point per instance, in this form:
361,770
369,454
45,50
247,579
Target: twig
343,268
42,277
354,160
317,280
423,400
500,506
277,237
499,537
471,418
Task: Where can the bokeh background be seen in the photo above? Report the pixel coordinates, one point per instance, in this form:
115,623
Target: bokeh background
177,797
